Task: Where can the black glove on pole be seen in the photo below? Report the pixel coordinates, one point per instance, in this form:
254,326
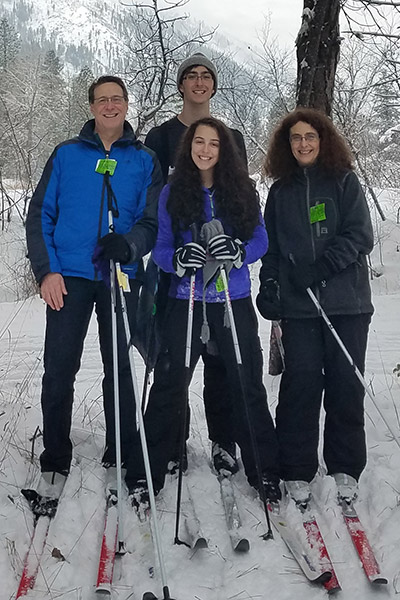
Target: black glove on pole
115,247
190,256
223,247
303,275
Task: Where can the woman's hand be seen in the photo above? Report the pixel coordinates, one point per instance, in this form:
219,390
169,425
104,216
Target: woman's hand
224,247
188,257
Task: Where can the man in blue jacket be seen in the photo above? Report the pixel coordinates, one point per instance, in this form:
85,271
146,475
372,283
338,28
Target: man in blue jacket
105,165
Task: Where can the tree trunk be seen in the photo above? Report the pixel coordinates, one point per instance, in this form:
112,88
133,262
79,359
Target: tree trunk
318,44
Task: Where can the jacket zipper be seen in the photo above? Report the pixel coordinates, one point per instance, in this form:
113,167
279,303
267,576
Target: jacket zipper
100,218
310,224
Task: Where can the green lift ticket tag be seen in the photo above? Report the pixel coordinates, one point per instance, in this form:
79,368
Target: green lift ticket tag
219,284
317,213
106,165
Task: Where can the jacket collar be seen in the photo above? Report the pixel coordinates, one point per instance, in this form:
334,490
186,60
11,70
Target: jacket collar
88,134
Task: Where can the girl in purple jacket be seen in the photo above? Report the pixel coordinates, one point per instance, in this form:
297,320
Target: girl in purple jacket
209,216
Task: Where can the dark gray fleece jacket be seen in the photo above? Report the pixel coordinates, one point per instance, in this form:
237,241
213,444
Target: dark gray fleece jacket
318,214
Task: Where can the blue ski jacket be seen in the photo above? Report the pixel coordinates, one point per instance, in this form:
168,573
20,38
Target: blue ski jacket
68,212
167,242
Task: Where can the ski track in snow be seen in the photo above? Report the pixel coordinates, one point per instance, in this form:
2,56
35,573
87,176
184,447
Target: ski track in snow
217,573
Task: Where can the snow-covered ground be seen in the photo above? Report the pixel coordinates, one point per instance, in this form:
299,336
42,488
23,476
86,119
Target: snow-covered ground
217,573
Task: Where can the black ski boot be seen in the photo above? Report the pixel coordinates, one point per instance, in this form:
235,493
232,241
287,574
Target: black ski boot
139,496
224,458
41,506
43,500
272,490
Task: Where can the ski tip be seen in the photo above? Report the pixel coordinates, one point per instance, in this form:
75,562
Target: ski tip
104,591
332,585
378,579
324,577
149,596
243,545
200,544
334,590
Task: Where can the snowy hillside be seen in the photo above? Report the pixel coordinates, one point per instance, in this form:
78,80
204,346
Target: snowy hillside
217,573
91,26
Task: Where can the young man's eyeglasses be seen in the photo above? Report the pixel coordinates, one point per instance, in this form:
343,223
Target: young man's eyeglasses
103,100
193,76
296,138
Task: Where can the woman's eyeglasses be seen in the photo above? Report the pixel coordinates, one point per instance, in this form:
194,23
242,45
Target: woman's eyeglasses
296,138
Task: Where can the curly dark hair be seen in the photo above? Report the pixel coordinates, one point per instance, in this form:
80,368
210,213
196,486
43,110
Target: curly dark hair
236,198
334,154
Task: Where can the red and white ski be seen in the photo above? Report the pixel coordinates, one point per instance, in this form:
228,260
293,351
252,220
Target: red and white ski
316,541
33,556
361,543
317,572
108,547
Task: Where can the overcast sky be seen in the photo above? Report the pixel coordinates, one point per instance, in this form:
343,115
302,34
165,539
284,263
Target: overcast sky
242,18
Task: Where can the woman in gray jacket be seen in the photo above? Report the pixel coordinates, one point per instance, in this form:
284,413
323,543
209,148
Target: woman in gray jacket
320,233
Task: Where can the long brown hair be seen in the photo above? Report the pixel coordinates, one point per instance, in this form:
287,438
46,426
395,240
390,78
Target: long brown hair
236,198
334,154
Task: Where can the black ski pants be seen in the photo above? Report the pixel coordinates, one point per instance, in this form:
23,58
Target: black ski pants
65,334
315,369
216,397
168,394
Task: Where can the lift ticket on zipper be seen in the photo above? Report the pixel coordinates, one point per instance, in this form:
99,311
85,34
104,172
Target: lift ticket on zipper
106,165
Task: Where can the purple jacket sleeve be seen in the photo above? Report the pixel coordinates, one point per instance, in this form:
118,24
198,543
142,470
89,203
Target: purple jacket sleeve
164,249
257,245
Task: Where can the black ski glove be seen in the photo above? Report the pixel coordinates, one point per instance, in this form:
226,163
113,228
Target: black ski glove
303,276
268,301
115,247
188,257
224,247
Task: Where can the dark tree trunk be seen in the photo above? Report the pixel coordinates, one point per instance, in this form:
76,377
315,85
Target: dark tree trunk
318,44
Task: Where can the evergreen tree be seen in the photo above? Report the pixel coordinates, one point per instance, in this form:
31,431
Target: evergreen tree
78,110
9,44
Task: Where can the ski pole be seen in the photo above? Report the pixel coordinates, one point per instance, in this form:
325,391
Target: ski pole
123,283
114,333
351,361
268,534
122,278
151,344
188,351
278,336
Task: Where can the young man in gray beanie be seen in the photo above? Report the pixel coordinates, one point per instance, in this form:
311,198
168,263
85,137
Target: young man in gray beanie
197,82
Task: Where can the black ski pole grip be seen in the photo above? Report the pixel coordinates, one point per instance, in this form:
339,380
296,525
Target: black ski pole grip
195,238
194,232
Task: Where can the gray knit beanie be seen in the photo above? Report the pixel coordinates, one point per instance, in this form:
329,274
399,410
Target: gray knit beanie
196,60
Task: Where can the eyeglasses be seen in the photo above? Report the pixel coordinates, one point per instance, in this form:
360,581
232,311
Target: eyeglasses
296,138
194,76
103,100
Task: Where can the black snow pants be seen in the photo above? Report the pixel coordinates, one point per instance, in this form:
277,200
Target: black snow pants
65,334
316,368
168,395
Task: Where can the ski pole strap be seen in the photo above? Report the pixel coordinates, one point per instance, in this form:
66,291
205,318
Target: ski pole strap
111,197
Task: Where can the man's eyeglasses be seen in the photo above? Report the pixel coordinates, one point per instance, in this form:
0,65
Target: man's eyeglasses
296,138
103,100
194,76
